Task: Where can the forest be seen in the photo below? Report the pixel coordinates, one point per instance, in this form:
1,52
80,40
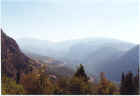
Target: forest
24,75
38,82
70,47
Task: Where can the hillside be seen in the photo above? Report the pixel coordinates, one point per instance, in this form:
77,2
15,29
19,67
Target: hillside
96,54
13,60
54,66
125,63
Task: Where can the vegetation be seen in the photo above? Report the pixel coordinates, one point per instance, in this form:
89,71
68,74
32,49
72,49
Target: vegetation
129,84
105,86
40,82
22,75
79,83
10,86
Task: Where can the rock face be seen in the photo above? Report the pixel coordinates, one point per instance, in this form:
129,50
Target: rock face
12,59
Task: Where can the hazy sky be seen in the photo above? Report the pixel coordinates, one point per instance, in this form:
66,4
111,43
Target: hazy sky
59,20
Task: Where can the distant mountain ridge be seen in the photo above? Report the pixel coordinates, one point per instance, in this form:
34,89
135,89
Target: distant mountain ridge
96,54
125,63
68,48
15,61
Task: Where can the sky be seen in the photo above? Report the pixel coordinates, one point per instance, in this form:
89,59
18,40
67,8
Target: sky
59,20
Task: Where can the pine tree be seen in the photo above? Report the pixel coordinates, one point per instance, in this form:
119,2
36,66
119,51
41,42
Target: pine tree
136,83
129,84
122,88
81,73
78,86
79,83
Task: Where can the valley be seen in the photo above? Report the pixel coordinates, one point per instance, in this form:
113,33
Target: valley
96,54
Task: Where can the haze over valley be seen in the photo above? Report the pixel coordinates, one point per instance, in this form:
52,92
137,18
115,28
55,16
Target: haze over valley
96,54
70,47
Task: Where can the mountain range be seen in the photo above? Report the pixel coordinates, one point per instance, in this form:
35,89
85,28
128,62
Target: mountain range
14,61
96,54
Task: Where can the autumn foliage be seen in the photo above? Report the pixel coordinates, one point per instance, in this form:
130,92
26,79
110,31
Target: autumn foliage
39,82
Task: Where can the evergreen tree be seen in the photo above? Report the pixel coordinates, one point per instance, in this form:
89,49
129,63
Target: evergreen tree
122,88
137,83
80,73
79,83
129,84
78,86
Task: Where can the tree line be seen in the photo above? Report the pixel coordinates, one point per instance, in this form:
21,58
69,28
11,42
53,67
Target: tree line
38,82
